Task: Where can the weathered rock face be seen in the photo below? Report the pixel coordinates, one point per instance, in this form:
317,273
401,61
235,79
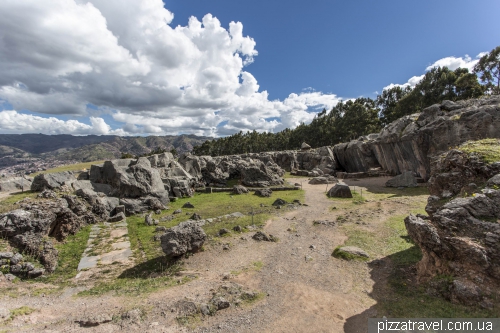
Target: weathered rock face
27,227
253,172
462,237
186,237
12,184
52,181
409,142
340,191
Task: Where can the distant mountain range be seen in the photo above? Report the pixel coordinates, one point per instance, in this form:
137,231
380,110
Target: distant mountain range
88,148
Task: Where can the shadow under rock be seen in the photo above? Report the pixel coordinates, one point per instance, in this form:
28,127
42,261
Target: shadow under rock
156,267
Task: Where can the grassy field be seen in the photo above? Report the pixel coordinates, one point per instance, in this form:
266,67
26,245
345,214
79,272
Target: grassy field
69,167
488,149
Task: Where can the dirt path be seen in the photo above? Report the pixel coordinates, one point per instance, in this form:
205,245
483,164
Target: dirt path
305,288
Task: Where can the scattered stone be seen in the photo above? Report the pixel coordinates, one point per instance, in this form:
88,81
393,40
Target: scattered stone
494,181
16,258
239,189
195,217
346,252
305,146
177,211
205,309
15,269
223,231
406,179
158,211
312,247
161,229
35,273
28,266
308,258
340,190
167,218
150,221
265,192
186,237
95,320
238,228
6,255
226,247
323,180
260,236
188,205
10,277
220,303
279,202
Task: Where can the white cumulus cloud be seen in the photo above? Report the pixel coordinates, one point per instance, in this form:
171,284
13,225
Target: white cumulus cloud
451,62
125,59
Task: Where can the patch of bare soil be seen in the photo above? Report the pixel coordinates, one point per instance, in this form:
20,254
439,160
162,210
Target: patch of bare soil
305,289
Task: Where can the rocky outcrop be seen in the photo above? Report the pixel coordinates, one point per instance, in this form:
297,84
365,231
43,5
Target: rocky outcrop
52,181
186,237
12,184
409,142
461,237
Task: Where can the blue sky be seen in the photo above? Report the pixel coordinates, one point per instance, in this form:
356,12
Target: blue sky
146,67
351,48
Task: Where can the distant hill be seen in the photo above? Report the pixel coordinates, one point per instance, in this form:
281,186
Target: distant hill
91,147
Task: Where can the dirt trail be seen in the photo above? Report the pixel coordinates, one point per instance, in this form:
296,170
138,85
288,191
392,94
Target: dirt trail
306,289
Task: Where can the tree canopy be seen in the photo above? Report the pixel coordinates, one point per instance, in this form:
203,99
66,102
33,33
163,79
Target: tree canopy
488,68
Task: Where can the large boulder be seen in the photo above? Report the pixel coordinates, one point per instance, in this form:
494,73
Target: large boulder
52,181
406,179
12,184
340,191
186,237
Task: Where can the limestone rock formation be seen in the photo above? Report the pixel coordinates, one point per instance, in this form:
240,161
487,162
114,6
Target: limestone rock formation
12,184
460,238
52,181
409,142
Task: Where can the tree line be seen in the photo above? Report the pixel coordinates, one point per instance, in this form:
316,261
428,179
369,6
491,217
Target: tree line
353,118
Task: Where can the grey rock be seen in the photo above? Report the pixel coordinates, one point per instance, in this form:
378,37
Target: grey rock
150,221
239,189
52,181
177,211
186,237
224,231
95,320
406,179
35,273
305,146
47,194
279,202
28,266
15,269
238,228
260,236
265,192
133,315
205,309
353,250
6,255
188,205
16,259
220,303
12,184
494,181
323,180
161,229
10,277
195,217
340,191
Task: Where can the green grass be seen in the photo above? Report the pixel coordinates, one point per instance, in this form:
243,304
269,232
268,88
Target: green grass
9,203
70,253
69,167
22,311
488,149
